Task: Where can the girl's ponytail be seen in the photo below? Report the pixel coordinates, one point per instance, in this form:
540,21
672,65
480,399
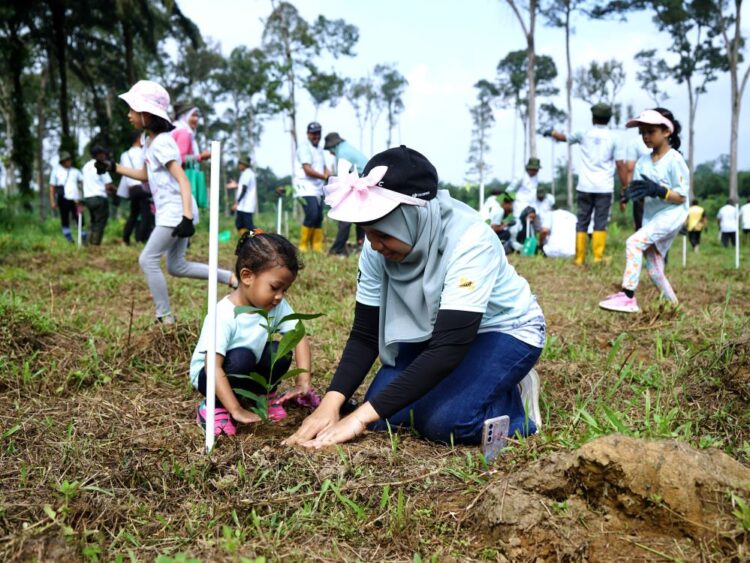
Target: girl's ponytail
674,139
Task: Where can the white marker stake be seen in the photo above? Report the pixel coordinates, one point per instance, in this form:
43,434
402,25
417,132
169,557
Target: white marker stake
684,251
481,196
213,266
80,227
737,238
279,206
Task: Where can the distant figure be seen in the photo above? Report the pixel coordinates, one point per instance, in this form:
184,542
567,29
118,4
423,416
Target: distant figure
96,188
503,220
696,222
343,150
561,240
662,178
544,204
63,192
491,204
311,175
185,123
141,218
596,180
629,151
728,223
247,197
745,218
525,187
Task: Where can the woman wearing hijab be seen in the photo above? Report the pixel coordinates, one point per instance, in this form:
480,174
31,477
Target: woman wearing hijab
185,127
456,328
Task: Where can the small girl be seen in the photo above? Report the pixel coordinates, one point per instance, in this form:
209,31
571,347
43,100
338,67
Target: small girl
662,178
170,189
267,265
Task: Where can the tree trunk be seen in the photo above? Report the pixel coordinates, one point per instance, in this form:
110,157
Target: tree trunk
127,39
569,101
531,72
692,108
57,7
22,142
40,132
733,193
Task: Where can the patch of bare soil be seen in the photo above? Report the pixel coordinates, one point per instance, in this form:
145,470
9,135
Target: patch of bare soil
620,498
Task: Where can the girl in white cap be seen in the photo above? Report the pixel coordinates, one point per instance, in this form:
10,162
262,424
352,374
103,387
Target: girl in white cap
175,208
662,178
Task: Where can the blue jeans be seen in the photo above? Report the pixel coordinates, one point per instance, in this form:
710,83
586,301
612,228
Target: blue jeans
484,385
313,207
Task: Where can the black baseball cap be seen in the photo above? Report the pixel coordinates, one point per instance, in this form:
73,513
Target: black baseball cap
314,127
409,172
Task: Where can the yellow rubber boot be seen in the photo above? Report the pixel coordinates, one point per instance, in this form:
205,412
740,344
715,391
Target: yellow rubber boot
581,239
598,242
305,238
317,240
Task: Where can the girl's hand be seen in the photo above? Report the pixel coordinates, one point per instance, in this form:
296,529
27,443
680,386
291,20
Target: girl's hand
322,418
296,391
245,416
343,431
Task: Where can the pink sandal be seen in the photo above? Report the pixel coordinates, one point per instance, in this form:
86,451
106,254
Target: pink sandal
223,423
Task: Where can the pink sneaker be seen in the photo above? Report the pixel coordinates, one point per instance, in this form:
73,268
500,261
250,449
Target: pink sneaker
223,423
621,303
276,410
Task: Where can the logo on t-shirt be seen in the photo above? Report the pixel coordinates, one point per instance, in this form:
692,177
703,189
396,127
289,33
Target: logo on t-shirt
466,283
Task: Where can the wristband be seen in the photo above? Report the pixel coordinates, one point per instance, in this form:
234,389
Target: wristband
666,196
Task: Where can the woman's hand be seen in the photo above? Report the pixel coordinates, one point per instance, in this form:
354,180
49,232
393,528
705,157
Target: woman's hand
206,154
325,416
344,430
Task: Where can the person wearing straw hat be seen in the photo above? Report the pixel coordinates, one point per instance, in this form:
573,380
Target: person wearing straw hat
343,151
247,197
64,194
596,180
173,200
311,174
525,186
456,328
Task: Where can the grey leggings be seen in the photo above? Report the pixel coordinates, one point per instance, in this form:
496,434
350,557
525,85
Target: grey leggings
162,242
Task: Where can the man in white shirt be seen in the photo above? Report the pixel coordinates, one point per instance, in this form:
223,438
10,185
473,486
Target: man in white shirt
63,192
728,224
596,180
544,204
745,219
96,188
311,175
525,187
628,153
247,197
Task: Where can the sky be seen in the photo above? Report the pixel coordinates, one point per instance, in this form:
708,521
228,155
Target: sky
443,48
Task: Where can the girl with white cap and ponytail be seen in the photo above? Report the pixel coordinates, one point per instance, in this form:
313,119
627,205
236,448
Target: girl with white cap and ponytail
663,179
456,328
175,208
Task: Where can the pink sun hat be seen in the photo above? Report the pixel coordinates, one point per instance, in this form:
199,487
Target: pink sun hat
651,117
148,96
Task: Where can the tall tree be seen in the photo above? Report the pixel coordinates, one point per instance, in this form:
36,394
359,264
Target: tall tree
358,92
295,45
392,85
650,75
483,118
549,116
529,29
601,82
324,88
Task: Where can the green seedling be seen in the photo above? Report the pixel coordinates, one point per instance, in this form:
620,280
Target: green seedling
286,343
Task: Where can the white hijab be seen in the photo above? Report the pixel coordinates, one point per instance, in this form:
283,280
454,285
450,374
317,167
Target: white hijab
183,122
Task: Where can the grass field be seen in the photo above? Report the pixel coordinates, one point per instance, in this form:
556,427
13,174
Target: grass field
100,457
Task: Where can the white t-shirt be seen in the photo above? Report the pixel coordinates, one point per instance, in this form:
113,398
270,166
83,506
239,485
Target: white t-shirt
69,178
132,158
631,148
243,331
490,207
561,242
304,185
165,189
727,217
525,189
745,216
596,170
479,279
249,201
94,184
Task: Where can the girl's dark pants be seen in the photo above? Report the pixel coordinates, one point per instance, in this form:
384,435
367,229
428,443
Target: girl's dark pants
242,361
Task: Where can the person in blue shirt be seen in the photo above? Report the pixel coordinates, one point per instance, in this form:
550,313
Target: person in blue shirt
344,150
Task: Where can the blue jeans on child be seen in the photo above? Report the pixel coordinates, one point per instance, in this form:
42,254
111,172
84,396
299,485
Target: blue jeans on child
484,385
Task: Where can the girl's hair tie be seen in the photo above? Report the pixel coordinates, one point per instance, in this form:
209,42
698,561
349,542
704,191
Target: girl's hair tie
246,236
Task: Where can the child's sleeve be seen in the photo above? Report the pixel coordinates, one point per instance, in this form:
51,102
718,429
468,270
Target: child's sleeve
679,177
164,150
279,312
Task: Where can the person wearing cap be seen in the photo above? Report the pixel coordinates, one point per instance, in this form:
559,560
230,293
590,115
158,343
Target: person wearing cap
525,186
455,326
173,200
596,180
343,151
502,220
64,194
247,197
663,181
140,218
491,205
311,174
96,188
628,153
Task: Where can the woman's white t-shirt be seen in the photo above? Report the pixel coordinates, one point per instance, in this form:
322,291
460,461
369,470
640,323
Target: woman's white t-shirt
94,184
727,217
132,158
69,178
249,201
165,189
246,330
478,279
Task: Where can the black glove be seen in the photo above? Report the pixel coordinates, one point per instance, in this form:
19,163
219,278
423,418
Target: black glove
185,229
104,166
547,133
638,189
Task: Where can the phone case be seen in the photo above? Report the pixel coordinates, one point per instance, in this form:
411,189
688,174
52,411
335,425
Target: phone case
494,436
